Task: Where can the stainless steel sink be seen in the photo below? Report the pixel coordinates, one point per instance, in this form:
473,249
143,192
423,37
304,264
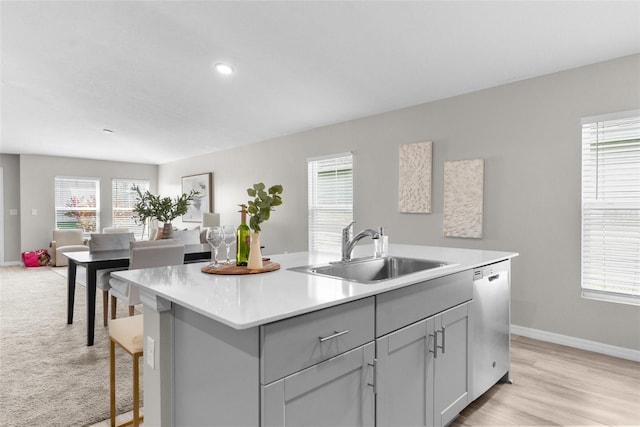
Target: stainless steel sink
371,270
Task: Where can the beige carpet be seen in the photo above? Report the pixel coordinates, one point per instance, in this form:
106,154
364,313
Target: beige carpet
48,375
81,274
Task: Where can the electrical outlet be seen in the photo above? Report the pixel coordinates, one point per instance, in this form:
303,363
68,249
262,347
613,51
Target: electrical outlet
34,211
150,353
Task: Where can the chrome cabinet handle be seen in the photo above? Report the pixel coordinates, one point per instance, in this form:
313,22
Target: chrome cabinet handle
374,375
336,334
443,332
435,345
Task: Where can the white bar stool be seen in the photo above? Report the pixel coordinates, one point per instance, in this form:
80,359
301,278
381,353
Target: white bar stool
127,332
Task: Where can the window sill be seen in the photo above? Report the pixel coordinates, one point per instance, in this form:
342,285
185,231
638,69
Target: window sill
611,297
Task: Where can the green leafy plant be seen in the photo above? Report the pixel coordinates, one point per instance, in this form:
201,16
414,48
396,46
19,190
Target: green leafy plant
261,206
164,209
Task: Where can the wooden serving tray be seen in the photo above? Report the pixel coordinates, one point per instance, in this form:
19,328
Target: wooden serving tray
234,269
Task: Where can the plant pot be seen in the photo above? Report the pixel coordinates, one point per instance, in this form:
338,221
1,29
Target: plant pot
255,255
166,232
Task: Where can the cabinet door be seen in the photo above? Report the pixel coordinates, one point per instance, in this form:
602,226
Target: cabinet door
337,392
405,376
452,364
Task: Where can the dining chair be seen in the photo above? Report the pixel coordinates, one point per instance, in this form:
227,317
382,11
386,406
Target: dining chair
107,242
144,254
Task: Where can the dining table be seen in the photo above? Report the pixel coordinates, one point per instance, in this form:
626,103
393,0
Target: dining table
94,261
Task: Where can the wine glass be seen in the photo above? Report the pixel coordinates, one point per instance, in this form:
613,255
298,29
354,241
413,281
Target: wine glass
215,237
229,237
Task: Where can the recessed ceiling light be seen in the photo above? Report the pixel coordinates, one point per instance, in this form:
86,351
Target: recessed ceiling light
225,69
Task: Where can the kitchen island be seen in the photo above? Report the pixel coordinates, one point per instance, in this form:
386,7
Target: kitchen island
289,348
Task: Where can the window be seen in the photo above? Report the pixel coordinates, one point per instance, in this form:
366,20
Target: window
77,203
123,199
330,201
611,208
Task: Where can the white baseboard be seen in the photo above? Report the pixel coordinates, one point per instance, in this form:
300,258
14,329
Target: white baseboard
610,350
8,263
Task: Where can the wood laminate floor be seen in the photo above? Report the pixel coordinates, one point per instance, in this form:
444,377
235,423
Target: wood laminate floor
554,385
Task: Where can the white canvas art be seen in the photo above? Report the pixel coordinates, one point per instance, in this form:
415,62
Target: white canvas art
414,195
463,196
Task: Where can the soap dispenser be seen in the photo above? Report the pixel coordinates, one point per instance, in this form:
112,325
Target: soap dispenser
381,244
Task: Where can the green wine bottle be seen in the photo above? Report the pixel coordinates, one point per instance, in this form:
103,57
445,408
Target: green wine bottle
243,238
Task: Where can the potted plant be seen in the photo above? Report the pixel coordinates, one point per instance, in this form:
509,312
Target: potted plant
259,210
164,209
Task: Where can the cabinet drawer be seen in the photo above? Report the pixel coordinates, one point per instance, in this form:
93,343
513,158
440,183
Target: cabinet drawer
401,307
293,344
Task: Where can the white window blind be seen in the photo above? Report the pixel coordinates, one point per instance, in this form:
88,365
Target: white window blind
611,208
123,199
330,201
77,203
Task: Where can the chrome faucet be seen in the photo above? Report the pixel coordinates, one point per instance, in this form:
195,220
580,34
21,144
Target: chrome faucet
348,245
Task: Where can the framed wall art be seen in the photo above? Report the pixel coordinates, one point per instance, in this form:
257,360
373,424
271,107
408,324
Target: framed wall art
203,184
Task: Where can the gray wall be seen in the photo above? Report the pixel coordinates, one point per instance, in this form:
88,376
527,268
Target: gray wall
11,193
37,175
529,134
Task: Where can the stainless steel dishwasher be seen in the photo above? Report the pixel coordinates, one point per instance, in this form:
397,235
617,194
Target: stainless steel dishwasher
490,321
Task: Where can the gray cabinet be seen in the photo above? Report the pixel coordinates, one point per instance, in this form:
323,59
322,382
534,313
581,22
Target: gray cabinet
404,376
423,371
404,306
293,344
318,369
451,367
337,392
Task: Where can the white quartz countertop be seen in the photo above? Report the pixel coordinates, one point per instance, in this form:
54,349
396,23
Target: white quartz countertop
245,301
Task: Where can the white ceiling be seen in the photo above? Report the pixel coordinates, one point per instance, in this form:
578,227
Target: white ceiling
144,68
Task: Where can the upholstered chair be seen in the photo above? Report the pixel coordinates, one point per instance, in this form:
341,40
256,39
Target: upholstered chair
144,254
108,242
66,241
